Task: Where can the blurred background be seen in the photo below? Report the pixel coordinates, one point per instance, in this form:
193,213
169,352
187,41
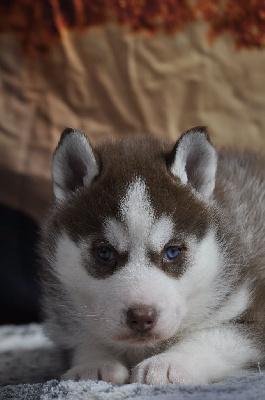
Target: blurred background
112,68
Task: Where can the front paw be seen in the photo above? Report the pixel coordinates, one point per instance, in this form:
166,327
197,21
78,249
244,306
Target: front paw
166,368
109,371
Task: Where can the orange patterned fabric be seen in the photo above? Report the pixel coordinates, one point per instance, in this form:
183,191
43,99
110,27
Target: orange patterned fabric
244,20
39,23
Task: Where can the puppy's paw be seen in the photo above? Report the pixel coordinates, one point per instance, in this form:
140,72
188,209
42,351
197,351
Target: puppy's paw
166,368
109,371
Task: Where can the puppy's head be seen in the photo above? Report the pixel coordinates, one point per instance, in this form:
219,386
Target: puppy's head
134,244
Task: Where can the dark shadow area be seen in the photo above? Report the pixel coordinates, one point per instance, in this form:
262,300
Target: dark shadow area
19,286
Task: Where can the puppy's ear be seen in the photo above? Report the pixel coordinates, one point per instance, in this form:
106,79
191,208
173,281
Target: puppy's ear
194,161
74,164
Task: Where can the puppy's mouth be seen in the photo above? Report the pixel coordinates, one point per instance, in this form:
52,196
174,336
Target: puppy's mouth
139,338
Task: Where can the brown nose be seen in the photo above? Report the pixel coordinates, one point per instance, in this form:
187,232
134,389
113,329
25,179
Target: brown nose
142,318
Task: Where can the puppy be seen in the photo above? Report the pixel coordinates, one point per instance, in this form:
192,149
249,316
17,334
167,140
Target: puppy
154,260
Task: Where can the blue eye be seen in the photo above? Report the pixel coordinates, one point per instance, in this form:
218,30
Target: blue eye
172,252
105,253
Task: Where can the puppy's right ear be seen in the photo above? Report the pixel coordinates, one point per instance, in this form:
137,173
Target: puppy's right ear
194,161
74,164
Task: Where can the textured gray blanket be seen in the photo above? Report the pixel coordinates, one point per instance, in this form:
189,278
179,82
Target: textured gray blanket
29,366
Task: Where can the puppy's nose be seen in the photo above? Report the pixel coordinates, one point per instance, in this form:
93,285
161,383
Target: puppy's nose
142,318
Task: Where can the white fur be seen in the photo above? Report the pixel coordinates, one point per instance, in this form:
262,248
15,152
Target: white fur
137,212
203,357
140,282
182,303
200,284
116,234
109,370
161,233
234,306
128,287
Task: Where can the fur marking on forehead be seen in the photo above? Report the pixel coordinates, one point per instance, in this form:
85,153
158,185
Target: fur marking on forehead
138,225
136,211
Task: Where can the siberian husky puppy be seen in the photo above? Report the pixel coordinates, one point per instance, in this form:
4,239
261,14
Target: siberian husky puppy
154,260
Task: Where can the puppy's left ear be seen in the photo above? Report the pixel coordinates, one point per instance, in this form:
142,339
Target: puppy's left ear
194,161
74,164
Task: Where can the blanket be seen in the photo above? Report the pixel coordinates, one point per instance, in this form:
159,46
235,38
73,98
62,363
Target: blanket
30,367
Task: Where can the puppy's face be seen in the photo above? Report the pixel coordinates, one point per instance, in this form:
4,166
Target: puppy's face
135,247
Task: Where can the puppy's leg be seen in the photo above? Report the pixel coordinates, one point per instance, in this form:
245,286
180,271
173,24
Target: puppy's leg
92,362
206,356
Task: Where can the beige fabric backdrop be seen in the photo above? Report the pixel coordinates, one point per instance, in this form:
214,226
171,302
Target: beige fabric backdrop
109,82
